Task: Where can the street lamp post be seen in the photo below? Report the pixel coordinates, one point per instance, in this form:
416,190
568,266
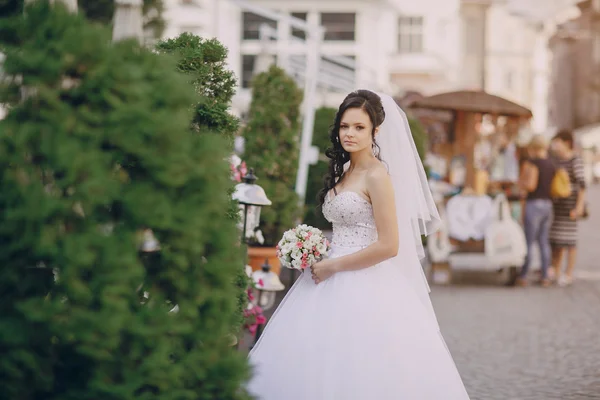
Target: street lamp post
251,197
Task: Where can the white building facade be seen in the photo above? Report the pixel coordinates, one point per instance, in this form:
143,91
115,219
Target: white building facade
396,46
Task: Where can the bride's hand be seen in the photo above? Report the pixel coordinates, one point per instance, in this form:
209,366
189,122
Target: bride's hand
323,270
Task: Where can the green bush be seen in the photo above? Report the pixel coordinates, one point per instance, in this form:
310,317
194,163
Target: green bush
324,118
272,148
419,136
98,148
203,62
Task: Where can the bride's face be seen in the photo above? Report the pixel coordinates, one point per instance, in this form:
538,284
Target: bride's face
356,130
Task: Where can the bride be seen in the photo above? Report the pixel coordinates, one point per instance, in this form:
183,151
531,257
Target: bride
359,324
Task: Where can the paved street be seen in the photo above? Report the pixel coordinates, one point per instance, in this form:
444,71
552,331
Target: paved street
529,343
526,343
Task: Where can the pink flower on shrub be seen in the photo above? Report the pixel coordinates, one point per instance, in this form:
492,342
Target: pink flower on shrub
238,172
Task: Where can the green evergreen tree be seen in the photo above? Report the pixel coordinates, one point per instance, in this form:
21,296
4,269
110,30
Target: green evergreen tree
96,145
272,148
419,136
203,62
324,118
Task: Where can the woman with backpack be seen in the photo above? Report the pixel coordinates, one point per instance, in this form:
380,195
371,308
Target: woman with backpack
536,177
567,210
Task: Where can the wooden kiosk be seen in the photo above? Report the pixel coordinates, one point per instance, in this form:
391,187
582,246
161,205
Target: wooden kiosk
469,111
468,108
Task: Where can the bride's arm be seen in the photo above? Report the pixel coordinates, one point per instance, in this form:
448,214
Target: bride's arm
381,192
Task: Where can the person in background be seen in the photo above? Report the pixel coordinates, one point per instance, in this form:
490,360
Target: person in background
536,179
596,172
563,234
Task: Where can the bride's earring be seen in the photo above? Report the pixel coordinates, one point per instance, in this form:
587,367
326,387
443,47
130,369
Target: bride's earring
375,149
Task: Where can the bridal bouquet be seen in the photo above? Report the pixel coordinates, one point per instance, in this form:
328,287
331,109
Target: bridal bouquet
302,247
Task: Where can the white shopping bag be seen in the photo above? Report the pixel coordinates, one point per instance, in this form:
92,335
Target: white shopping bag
438,244
505,244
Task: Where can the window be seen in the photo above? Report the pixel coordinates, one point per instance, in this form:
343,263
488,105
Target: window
339,26
410,34
299,33
251,25
248,61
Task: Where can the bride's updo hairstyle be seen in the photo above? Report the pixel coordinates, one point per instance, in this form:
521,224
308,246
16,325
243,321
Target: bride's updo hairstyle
370,103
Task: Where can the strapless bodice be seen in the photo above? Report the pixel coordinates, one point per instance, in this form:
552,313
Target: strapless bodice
352,218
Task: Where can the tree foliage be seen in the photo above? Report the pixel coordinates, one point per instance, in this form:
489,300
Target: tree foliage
204,62
313,216
272,148
95,146
419,136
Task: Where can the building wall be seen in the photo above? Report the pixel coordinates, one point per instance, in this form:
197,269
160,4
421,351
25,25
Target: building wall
367,48
474,17
574,95
464,44
437,67
510,56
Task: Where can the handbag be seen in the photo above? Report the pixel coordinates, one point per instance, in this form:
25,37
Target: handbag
561,184
505,244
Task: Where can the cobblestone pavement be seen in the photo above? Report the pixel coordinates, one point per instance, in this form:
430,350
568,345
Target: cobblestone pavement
528,343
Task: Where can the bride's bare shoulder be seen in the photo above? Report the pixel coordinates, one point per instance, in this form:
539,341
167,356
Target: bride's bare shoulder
378,171
378,177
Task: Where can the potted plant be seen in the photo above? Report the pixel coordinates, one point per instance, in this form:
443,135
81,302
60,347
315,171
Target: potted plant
271,148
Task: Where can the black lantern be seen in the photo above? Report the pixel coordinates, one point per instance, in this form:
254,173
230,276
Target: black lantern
251,198
267,285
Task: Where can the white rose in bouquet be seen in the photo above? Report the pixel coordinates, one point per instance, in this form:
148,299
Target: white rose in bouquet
321,248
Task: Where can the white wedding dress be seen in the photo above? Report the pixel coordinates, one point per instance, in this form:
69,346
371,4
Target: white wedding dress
360,335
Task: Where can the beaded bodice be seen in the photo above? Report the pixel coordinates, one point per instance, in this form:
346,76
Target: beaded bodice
352,218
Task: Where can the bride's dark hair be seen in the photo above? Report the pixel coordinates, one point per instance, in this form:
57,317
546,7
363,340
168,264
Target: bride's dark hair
365,100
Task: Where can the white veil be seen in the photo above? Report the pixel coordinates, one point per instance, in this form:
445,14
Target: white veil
416,211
